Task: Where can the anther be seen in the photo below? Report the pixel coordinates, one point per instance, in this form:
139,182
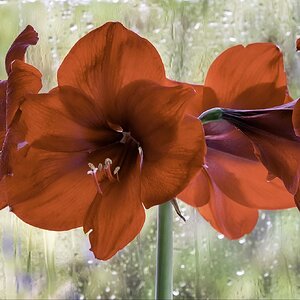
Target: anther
93,172
107,162
116,172
93,169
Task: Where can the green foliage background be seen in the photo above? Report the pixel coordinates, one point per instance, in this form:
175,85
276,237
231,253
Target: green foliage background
189,35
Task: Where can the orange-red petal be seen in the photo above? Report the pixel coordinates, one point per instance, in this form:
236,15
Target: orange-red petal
245,181
18,48
117,216
226,216
53,125
248,77
172,142
197,192
3,85
107,59
23,79
276,145
50,190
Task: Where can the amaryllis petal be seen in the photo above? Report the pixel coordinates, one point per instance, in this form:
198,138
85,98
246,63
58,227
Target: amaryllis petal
246,78
197,192
228,217
194,106
50,190
245,181
107,59
18,48
53,126
3,85
23,79
296,118
275,142
172,142
117,216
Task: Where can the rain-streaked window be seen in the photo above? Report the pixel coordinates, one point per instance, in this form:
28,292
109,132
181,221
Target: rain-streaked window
189,35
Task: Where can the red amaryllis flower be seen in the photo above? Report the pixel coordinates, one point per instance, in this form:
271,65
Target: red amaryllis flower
234,184
112,138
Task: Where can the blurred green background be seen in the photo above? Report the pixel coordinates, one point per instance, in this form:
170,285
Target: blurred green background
37,264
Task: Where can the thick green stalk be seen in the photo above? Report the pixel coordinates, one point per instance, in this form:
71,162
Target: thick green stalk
164,254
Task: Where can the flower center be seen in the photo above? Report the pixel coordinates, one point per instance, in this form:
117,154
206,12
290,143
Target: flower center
127,137
103,171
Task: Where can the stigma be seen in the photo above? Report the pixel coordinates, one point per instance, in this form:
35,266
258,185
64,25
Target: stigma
103,171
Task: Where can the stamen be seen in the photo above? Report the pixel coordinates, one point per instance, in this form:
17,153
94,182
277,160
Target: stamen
93,168
93,172
108,163
103,170
116,172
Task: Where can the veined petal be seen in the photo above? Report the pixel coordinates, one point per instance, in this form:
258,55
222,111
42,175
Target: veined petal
197,192
276,145
195,104
52,125
18,48
245,182
23,79
226,216
107,59
172,141
117,216
248,77
50,190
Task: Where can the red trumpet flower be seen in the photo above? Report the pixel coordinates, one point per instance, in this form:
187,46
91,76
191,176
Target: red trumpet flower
234,184
112,138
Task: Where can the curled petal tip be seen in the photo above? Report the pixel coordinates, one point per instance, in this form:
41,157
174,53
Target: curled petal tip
18,48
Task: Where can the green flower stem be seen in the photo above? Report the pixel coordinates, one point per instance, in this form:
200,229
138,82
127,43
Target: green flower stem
164,254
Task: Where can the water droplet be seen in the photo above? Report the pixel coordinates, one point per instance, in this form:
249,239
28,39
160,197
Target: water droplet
73,27
107,289
242,241
240,273
90,26
197,26
220,236
175,293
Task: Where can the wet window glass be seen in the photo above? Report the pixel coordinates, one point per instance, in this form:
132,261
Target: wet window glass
189,35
